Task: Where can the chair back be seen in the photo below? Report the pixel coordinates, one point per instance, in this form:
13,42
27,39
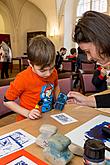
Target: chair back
65,84
67,66
25,62
3,109
86,85
88,66
64,75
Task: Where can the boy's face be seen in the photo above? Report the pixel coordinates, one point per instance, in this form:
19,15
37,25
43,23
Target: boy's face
45,72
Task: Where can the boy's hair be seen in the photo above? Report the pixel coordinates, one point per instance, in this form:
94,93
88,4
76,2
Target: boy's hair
73,50
41,51
94,27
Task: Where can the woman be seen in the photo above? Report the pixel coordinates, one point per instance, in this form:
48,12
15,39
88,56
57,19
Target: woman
92,33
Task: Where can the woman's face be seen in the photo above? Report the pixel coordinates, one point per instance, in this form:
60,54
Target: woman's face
92,54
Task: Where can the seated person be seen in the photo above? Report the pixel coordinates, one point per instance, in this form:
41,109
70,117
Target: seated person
59,59
99,79
81,57
37,86
72,57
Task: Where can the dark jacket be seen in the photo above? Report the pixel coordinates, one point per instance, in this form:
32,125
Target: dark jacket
58,61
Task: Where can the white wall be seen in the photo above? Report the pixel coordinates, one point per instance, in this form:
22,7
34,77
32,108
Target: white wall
31,19
69,23
17,19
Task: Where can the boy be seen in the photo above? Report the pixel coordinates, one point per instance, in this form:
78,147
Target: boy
37,85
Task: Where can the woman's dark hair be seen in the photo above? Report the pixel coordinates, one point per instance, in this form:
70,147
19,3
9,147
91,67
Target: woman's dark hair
94,27
41,51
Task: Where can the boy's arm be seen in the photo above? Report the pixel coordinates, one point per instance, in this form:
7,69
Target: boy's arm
17,108
33,114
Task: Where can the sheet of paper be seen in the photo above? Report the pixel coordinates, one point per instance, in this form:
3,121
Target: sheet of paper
14,141
63,118
21,157
22,161
79,135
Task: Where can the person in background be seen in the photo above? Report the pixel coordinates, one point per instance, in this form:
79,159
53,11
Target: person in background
6,56
92,33
99,79
1,53
59,59
72,57
81,57
37,86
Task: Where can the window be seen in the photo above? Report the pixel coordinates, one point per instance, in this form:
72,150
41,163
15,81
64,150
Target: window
96,5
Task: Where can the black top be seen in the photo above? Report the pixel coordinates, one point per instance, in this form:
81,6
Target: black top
59,60
103,101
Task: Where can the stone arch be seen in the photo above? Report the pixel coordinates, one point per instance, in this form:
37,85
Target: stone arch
8,22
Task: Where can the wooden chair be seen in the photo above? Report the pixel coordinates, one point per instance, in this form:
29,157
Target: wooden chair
25,62
86,86
67,66
64,75
3,109
65,84
88,66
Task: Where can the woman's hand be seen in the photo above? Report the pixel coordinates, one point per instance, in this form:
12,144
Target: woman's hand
76,98
34,114
80,99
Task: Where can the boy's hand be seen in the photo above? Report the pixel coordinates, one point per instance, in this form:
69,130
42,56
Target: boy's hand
34,114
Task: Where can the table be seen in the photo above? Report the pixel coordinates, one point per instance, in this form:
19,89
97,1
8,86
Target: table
82,114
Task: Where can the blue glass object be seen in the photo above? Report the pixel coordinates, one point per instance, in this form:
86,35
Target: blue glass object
60,102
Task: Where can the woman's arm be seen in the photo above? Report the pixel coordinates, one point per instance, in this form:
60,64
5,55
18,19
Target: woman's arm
78,98
99,101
